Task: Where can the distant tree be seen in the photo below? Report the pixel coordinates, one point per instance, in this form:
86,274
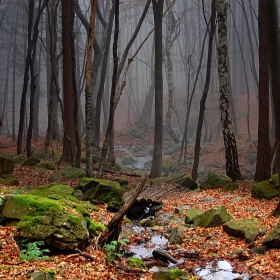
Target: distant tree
263,152
203,99
29,66
232,166
158,131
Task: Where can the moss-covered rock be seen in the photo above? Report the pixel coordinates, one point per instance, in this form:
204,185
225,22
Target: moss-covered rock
52,214
230,187
212,218
129,159
191,214
168,166
31,161
9,180
245,229
19,158
273,238
46,165
102,191
39,154
176,235
6,164
215,180
266,189
186,182
72,172
135,262
169,274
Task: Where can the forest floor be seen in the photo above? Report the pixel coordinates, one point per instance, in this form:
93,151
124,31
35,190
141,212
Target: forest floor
211,243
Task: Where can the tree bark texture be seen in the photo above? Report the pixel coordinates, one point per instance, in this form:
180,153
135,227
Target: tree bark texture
232,166
274,63
88,105
69,141
158,132
263,169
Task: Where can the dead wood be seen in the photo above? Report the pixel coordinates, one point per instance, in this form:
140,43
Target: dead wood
85,254
163,256
188,254
113,228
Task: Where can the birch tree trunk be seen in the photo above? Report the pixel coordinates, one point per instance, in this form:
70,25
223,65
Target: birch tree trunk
169,74
88,104
232,166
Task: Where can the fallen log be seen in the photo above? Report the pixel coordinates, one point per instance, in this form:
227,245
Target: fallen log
114,227
163,256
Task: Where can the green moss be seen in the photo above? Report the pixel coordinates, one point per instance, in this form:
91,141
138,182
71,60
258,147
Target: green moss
230,187
41,204
176,273
94,227
135,262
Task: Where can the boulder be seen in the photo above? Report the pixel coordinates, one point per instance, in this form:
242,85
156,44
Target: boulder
186,182
273,238
19,158
191,214
129,159
46,165
102,191
169,274
245,229
266,189
215,180
50,213
6,164
72,172
9,180
176,235
212,218
31,161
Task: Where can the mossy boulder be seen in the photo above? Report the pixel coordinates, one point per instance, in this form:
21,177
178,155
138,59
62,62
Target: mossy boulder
214,217
245,229
19,158
169,274
52,214
168,166
266,189
40,154
273,238
102,191
230,187
135,262
186,182
46,165
72,172
9,180
31,161
129,159
215,180
6,164
191,214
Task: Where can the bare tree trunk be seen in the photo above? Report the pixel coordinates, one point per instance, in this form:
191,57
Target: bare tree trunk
169,72
205,91
274,62
232,166
113,94
158,132
263,153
